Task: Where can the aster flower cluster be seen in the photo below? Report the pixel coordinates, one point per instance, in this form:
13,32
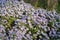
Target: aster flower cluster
21,21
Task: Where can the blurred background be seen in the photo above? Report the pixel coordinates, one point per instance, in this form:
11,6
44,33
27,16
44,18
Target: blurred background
46,4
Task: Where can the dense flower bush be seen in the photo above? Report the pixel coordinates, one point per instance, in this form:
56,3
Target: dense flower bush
21,21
